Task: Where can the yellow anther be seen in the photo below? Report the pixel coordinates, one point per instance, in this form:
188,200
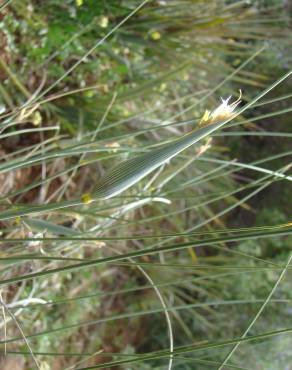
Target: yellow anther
86,198
156,35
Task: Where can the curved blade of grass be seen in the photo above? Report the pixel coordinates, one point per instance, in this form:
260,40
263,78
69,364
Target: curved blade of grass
148,251
139,313
133,170
46,226
268,299
187,349
180,282
191,233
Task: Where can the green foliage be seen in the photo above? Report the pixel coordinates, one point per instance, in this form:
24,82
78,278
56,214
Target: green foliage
191,249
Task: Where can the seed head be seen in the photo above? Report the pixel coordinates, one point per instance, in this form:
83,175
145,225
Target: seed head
221,113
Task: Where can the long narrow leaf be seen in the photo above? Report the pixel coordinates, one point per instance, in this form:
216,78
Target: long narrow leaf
133,170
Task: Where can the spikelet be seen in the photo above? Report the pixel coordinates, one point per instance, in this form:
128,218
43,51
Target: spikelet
221,113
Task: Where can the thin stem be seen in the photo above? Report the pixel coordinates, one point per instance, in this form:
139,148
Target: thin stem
227,358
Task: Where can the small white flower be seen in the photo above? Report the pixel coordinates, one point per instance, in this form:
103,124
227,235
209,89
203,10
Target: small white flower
225,110
221,113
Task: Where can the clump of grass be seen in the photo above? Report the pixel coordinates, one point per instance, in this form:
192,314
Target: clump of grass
137,266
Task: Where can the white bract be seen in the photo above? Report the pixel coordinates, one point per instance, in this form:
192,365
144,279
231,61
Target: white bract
223,112
225,109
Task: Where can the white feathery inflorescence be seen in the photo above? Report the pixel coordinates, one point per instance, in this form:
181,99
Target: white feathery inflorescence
223,112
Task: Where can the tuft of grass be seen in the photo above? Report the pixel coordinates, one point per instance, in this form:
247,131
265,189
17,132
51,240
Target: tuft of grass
170,259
